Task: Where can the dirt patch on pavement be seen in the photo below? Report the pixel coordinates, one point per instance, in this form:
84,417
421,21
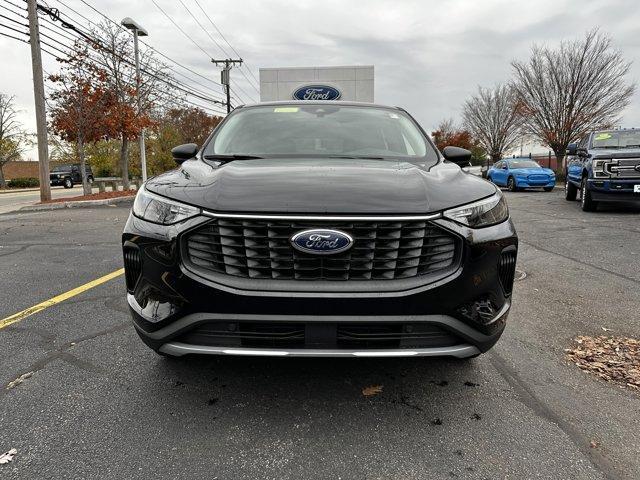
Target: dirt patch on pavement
94,196
615,359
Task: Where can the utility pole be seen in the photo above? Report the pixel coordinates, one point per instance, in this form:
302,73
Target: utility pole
225,76
138,31
38,93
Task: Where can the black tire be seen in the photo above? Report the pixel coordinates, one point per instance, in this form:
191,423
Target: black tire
90,180
586,202
67,183
511,185
548,189
570,191
490,179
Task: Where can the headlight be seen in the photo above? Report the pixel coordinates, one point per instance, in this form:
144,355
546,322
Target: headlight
482,213
157,209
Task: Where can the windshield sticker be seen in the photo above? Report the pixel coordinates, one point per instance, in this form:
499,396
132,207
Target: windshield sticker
602,136
285,109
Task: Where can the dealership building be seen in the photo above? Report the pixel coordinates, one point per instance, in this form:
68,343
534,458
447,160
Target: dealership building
353,83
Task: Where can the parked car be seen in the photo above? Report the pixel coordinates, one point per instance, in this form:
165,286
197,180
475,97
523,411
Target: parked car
520,173
317,229
68,175
605,167
473,170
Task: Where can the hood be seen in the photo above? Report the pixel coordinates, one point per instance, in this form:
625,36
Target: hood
615,152
338,186
532,171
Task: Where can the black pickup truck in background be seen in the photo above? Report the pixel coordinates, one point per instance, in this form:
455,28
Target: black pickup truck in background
68,175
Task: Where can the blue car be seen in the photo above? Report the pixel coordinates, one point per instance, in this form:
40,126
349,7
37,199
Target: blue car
519,173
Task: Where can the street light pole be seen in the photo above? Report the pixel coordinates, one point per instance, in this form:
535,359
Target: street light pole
138,31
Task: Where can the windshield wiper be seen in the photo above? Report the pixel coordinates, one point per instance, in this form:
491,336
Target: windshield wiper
230,157
356,157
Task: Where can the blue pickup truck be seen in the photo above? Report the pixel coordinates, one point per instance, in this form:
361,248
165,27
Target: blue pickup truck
605,167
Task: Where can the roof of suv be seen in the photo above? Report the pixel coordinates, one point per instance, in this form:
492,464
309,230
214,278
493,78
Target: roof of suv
318,102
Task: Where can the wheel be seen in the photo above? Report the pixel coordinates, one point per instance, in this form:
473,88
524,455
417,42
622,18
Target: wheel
90,180
511,185
68,183
570,191
586,202
548,189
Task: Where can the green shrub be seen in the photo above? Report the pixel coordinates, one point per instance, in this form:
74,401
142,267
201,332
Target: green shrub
24,182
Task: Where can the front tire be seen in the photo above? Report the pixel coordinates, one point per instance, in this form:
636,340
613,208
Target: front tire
68,183
586,202
570,191
511,185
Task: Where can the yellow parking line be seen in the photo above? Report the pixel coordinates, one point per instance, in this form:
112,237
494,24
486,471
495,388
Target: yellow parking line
17,317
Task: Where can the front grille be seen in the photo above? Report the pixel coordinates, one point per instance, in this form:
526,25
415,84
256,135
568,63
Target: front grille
260,249
538,178
319,335
132,266
507,270
624,168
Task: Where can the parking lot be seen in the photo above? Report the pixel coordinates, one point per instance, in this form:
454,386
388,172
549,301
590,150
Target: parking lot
99,404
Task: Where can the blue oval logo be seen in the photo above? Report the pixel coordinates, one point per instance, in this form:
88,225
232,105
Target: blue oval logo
317,92
321,242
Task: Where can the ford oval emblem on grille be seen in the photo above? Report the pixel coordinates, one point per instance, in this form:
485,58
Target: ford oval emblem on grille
637,168
317,92
321,242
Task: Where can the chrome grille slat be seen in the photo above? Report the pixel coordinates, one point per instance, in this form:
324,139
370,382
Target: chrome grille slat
260,249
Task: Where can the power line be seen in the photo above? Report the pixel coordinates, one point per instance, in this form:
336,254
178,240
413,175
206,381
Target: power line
11,36
215,93
181,30
225,39
221,48
100,44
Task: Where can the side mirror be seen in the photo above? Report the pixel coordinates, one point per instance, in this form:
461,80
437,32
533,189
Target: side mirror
457,155
504,166
184,152
572,149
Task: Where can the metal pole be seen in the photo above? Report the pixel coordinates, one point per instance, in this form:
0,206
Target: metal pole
38,93
228,88
143,156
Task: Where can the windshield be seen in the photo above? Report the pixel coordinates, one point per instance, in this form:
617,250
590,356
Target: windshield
320,130
523,164
62,168
616,139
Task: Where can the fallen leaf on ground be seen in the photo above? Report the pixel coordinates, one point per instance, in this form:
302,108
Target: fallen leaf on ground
372,390
605,329
18,380
594,444
7,456
614,359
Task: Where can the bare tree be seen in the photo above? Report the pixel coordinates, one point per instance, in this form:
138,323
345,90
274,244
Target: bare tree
493,117
568,91
115,54
13,139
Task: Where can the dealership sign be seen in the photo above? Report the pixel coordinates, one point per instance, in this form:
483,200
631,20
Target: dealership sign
317,92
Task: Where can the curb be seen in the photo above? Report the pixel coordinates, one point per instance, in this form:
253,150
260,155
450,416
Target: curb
18,190
78,204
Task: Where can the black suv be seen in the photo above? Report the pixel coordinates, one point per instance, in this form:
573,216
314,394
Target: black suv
319,229
68,175
605,167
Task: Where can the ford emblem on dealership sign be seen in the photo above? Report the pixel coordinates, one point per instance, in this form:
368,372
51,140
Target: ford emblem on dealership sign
322,242
317,92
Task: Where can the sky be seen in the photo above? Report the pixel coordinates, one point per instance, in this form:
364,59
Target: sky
429,56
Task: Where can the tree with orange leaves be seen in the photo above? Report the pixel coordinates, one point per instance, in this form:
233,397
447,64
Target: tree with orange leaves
448,134
82,107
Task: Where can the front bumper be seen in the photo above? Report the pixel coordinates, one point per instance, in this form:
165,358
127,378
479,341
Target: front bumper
525,183
619,191
177,312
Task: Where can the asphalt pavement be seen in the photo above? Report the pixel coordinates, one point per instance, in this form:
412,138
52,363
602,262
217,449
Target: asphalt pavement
11,201
99,404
